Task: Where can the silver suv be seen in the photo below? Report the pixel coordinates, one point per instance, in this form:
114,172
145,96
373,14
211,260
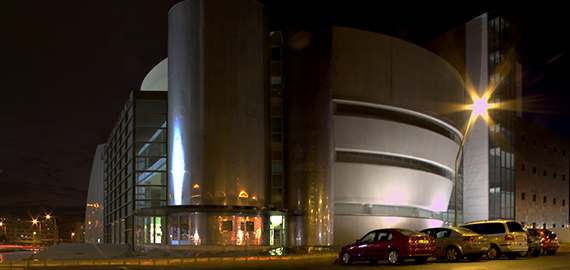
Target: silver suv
505,237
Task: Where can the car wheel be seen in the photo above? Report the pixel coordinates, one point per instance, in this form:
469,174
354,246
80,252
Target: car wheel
551,252
494,253
346,258
394,257
452,254
373,261
421,260
512,256
535,253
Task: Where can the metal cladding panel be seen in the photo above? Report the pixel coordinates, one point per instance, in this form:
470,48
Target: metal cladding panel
218,114
308,122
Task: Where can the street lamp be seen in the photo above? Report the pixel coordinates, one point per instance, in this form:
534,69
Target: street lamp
479,107
35,222
4,226
56,236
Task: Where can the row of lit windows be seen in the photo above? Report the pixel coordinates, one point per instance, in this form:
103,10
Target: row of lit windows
544,172
545,145
544,199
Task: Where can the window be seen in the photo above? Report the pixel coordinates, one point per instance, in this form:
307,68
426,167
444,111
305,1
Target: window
534,170
523,138
544,199
544,173
534,197
563,152
554,149
563,202
522,168
545,146
554,201
523,196
534,142
554,175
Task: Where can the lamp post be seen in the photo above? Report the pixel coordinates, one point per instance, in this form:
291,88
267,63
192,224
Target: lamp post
479,106
56,233
35,222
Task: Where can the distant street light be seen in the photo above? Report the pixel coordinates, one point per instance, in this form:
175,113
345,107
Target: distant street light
3,225
479,107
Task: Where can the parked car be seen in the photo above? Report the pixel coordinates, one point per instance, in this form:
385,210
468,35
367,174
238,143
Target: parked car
550,242
395,245
455,243
534,243
505,237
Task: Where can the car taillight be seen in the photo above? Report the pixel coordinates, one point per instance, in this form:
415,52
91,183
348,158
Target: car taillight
469,239
509,237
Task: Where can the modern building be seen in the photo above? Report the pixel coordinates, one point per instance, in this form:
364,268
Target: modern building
307,136
94,215
541,171
483,51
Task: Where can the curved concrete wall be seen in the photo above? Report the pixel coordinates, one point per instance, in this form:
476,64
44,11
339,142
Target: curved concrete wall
217,106
373,135
373,70
379,69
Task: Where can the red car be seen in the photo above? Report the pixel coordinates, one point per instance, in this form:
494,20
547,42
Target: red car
395,245
549,241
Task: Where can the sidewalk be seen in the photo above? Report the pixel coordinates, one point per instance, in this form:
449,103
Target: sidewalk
116,255
67,254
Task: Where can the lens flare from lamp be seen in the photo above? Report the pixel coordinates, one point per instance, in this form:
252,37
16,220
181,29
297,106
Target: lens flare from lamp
480,106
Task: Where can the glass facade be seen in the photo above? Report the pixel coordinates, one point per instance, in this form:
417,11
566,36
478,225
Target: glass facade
135,170
277,129
502,80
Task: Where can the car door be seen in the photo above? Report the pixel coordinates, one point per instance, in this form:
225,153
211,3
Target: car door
440,240
365,248
381,245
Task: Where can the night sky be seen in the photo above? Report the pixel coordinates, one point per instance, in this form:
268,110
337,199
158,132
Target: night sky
67,68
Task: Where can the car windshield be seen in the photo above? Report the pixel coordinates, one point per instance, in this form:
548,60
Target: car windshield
410,232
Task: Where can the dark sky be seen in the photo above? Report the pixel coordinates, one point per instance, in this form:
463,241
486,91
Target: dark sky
68,66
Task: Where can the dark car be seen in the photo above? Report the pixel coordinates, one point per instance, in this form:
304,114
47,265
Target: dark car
534,242
549,241
454,243
395,245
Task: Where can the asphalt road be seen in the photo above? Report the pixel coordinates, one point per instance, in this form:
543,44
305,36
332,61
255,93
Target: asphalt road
560,260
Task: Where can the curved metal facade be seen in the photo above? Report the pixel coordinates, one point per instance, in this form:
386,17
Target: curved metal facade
218,125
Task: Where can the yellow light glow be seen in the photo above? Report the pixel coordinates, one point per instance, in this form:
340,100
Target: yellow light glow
196,186
35,221
243,194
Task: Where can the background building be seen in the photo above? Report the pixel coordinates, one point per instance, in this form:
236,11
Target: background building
542,184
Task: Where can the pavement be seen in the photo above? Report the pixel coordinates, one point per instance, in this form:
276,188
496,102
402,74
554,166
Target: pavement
74,254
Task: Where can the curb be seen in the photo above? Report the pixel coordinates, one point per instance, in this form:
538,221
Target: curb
218,262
